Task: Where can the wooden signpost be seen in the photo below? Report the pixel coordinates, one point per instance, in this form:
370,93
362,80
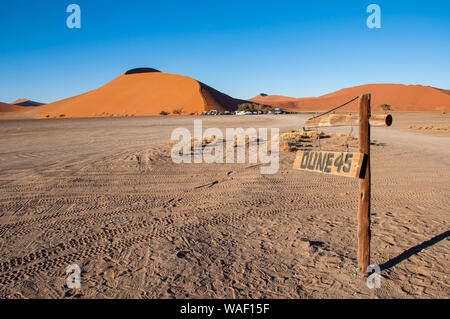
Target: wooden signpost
364,186
350,165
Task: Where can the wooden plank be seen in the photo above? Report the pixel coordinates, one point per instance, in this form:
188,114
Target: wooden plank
348,120
337,163
364,186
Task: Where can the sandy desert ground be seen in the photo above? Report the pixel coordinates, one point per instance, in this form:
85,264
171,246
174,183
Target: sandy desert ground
104,193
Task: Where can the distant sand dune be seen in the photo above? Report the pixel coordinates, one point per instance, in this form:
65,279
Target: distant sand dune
442,90
5,107
400,97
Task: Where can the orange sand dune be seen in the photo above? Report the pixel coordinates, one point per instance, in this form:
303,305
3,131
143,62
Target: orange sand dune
442,90
5,107
142,91
26,102
400,97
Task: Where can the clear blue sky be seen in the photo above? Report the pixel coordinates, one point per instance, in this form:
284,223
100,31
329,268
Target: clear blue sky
242,48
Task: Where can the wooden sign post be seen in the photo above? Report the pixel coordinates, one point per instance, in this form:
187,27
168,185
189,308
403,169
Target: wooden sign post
364,186
350,165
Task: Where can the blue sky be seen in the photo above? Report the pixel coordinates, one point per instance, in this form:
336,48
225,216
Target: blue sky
242,48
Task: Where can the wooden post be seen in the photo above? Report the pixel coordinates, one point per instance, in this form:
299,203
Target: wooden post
364,186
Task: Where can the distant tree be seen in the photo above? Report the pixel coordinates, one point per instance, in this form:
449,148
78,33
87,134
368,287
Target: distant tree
163,113
177,111
243,107
385,107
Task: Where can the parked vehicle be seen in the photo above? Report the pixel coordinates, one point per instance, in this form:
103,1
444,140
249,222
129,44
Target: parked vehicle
277,111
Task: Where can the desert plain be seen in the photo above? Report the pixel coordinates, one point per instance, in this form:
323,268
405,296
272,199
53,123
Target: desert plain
104,193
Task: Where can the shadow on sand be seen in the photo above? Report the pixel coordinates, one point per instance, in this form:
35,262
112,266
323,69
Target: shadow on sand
414,250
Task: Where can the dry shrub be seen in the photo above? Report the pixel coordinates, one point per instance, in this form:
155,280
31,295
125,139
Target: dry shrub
313,134
205,141
209,139
294,135
171,144
245,140
350,137
284,146
430,127
290,141
442,128
299,135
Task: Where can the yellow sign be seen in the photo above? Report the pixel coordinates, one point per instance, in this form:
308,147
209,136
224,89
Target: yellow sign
336,163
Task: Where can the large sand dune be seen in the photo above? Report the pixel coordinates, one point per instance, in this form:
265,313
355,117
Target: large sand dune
400,97
142,91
